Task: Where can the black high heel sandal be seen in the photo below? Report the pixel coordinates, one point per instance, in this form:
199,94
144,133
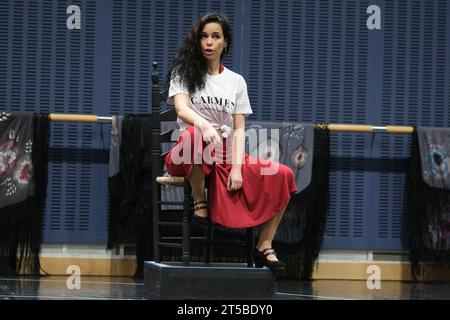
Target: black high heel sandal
201,221
261,260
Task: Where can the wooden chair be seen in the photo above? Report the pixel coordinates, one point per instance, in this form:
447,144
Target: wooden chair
184,241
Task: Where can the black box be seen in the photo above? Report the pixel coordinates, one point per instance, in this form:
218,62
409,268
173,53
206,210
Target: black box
207,281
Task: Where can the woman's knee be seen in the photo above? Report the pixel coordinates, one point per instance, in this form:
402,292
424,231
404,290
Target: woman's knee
285,171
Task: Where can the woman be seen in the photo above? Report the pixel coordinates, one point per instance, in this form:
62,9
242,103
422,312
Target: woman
211,102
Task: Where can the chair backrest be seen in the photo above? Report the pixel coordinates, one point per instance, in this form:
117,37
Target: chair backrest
158,139
157,118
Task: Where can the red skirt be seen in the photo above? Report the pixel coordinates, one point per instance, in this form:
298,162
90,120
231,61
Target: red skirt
261,197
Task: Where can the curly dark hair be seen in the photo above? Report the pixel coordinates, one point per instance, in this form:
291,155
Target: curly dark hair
190,64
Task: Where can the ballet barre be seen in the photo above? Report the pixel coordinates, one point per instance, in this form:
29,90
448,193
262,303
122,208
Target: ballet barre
333,127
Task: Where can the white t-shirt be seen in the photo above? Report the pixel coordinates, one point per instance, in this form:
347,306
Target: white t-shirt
224,94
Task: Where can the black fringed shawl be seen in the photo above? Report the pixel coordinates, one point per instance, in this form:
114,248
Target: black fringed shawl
130,216
427,205
306,214
21,222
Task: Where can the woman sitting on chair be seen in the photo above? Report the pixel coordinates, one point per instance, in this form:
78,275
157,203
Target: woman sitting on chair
211,102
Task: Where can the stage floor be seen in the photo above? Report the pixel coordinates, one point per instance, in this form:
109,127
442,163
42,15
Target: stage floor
124,288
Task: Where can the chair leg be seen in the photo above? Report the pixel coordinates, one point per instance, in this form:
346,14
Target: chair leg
186,227
250,246
156,208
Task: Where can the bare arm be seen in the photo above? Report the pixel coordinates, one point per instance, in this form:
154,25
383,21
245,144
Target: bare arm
189,116
238,140
235,179
185,113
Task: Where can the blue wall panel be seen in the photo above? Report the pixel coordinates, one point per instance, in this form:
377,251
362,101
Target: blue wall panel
306,61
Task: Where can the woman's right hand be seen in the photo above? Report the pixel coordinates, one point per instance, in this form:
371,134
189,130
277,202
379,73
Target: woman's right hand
210,135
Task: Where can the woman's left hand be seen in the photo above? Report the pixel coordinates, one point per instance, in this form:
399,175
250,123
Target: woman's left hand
234,180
